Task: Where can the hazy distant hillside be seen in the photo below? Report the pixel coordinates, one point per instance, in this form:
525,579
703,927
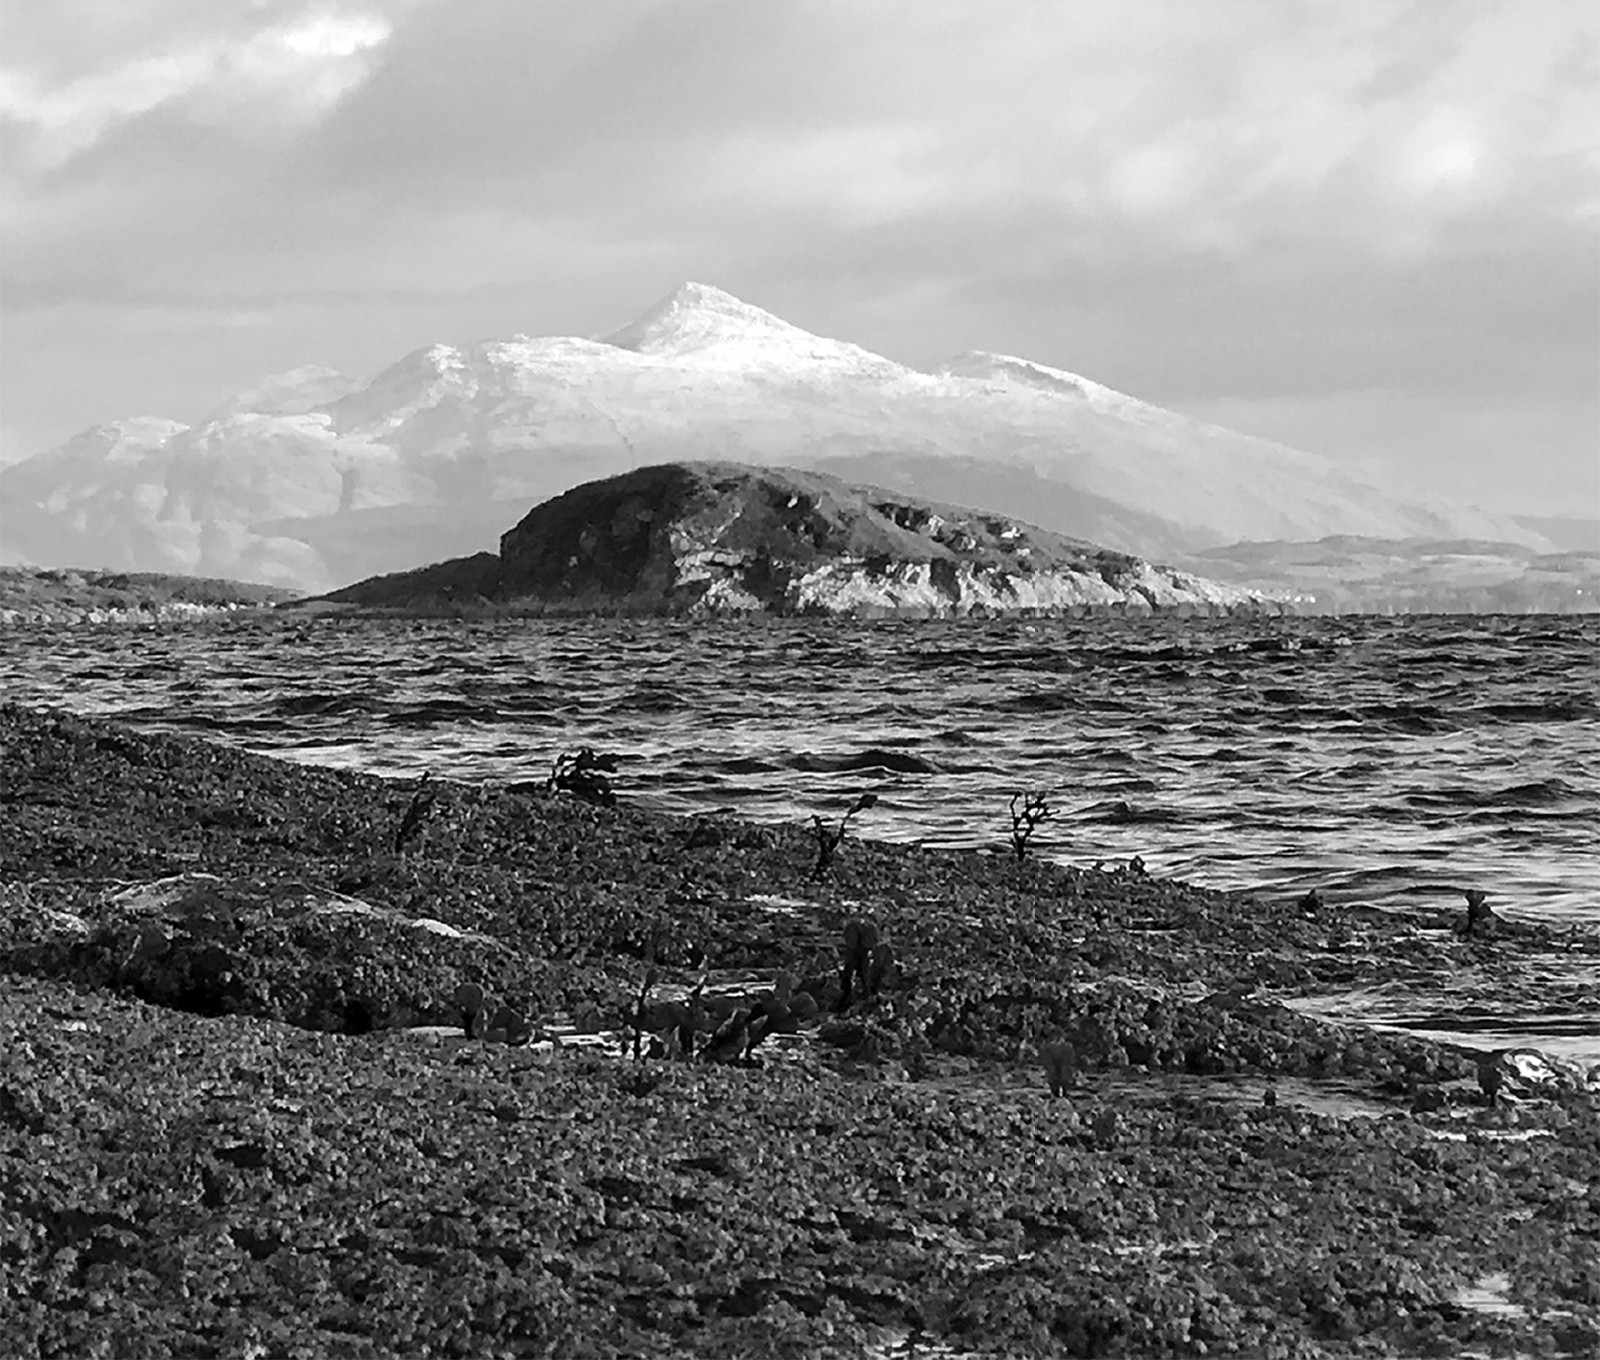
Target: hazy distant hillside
34,594
1345,574
1565,533
312,479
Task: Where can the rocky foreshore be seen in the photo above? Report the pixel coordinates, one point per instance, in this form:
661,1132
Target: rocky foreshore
72,616
304,1063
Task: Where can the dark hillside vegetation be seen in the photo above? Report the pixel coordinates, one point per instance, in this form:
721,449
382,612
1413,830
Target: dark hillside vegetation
37,591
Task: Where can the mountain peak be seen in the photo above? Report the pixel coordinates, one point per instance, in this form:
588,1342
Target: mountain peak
696,316
706,328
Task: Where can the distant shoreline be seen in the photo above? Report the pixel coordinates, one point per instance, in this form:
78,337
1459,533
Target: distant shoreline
40,595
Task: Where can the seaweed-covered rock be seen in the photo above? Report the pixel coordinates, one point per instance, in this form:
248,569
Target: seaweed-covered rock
508,1026
217,946
1527,1072
177,1184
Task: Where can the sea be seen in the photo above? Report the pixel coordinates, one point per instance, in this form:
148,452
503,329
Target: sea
1388,761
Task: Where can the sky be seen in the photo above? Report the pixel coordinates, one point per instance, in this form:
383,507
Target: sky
1367,229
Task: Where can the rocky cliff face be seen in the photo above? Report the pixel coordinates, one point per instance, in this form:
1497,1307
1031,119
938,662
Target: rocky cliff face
727,538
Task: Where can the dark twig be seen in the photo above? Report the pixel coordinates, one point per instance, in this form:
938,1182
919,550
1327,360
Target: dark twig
1025,820
639,1006
694,1015
416,812
828,837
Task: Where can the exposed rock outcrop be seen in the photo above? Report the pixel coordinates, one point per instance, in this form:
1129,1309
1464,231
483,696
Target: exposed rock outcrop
725,538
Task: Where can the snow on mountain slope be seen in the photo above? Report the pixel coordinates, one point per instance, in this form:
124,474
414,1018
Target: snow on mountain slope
706,328
1189,472
289,394
150,495
310,480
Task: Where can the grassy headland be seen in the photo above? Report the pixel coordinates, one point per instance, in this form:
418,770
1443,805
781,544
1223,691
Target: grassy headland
38,594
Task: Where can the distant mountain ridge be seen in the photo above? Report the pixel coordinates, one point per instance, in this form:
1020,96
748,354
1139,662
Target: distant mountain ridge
312,480
715,538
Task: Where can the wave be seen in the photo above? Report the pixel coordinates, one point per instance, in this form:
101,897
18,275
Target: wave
319,704
1134,784
746,765
1412,719
432,711
648,699
1533,794
1051,701
873,758
1186,745
1120,812
1555,710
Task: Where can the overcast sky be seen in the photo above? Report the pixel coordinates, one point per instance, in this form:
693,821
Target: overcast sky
1371,230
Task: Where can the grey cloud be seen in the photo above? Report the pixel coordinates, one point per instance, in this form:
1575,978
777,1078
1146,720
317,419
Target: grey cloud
1190,202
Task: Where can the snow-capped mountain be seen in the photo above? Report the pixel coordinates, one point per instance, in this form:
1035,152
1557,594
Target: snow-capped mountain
313,480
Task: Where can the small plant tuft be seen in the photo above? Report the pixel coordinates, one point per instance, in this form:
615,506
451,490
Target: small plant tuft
866,960
730,1041
828,837
416,813
782,1011
1480,915
1034,811
469,997
1491,1078
583,774
1060,1061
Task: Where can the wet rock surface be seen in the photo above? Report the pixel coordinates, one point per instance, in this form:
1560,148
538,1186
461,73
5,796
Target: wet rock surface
961,1103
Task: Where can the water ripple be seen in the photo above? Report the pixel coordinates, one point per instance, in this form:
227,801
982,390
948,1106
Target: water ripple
1376,758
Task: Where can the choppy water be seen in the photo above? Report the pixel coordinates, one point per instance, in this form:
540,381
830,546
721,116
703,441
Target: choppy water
1381,760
